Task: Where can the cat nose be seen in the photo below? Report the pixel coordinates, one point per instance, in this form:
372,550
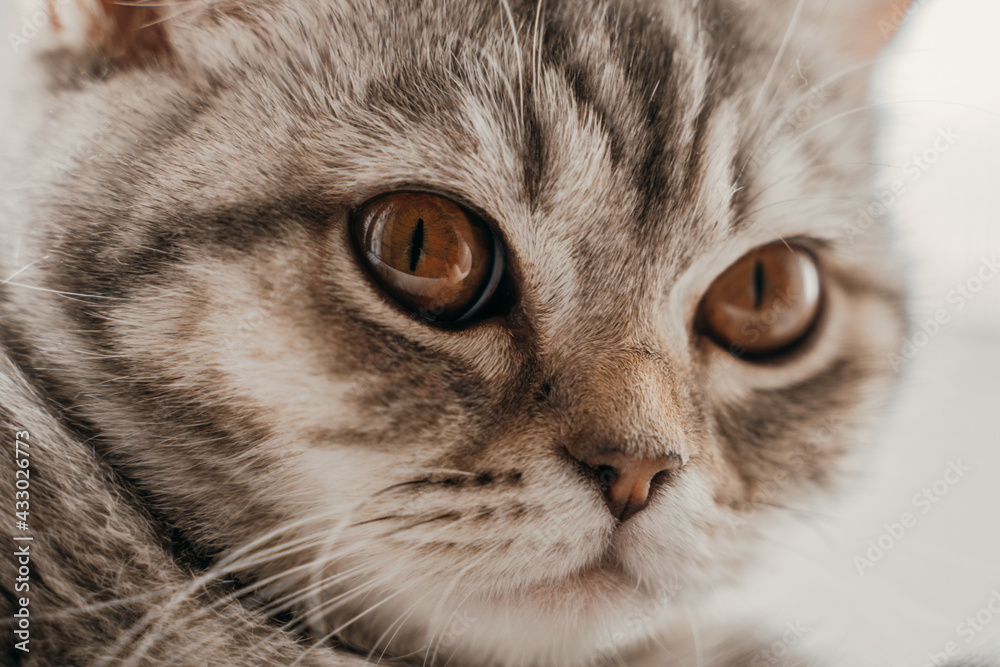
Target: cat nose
626,480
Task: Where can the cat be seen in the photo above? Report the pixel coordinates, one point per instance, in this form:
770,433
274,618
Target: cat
473,333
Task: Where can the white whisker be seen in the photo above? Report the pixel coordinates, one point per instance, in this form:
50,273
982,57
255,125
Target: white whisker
517,53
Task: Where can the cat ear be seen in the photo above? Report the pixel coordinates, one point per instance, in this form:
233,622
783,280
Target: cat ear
865,27
131,30
126,32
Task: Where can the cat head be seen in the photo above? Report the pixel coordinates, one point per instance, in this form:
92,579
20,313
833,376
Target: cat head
466,328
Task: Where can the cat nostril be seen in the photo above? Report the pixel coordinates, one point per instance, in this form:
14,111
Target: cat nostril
626,480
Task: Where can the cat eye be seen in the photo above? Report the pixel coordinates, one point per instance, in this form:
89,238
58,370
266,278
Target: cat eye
431,255
765,303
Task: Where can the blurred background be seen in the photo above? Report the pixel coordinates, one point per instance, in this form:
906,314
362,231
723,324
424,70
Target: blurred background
943,76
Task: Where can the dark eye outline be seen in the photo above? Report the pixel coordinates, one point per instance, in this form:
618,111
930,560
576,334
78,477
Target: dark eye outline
492,298
787,352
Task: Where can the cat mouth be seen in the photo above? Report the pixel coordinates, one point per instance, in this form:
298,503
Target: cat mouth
593,591
592,585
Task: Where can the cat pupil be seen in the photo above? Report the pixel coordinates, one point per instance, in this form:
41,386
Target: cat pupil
416,244
758,284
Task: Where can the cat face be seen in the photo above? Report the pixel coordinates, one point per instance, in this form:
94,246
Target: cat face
587,442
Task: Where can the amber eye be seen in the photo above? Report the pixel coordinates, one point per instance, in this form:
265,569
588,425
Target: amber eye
429,254
764,303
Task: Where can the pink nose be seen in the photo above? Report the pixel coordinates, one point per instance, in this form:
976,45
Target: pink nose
626,480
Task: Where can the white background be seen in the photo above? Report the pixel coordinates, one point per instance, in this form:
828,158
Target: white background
944,72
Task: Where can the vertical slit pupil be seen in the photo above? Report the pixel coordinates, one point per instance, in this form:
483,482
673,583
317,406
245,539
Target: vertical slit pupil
416,244
758,284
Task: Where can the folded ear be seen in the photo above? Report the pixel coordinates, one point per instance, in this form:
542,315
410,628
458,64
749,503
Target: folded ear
126,32
131,30
865,27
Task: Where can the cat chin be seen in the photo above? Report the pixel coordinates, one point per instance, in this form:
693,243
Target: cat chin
591,617
591,620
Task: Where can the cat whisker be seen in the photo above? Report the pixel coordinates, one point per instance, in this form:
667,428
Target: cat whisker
61,292
232,557
160,3
329,605
261,557
398,625
451,517
792,104
764,89
393,487
447,591
783,202
249,622
795,103
421,480
759,195
537,35
98,606
449,471
187,6
752,212
265,612
387,517
153,618
140,649
520,65
257,585
868,107
290,601
503,77
333,633
286,602
22,270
